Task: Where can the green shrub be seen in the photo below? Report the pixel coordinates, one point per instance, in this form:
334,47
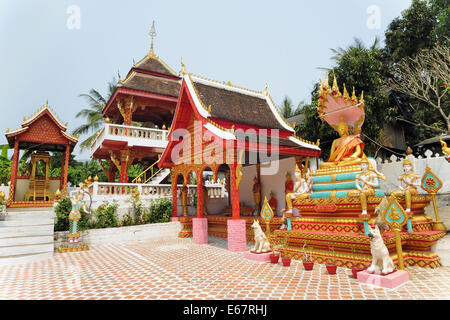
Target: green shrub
127,220
106,217
160,211
62,212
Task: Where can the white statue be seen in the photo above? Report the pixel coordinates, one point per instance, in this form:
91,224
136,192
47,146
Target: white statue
302,189
366,181
262,244
379,253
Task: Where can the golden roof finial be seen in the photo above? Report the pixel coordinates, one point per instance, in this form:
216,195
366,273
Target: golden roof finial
209,108
229,83
183,67
326,84
362,97
118,75
335,87
96,178
346,96
152,34
266,89
354,96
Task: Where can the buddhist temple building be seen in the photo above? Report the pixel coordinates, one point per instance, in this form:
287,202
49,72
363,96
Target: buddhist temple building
137,117
219,127
41,133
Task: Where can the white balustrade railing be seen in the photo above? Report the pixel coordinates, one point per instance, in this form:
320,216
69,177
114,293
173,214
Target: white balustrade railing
133,135
106,191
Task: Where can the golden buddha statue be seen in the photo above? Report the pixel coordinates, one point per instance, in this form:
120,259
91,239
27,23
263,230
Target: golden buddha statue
346,150
409,181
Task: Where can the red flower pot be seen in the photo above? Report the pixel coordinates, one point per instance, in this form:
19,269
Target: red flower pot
355,271
286,261
274,258
308,265
331,268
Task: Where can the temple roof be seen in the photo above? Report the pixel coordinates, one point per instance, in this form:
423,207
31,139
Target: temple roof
151,62
238,105
152,83
43,127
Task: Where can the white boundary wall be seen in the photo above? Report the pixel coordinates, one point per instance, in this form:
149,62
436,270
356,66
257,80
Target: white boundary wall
143,232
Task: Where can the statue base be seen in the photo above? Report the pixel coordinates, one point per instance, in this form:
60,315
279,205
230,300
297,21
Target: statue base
260,257
439,226
73,247
389,281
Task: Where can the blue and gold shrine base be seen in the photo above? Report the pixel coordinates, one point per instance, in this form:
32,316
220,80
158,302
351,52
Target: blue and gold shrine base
330,218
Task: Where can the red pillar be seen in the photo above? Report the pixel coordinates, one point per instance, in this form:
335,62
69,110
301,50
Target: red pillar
15,165
234,193
61,177
66,169
199,196
124,162
236,227
174,199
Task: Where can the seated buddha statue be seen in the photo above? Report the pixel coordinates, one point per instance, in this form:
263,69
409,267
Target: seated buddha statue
347,150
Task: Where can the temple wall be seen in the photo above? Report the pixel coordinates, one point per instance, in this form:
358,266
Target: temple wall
274,183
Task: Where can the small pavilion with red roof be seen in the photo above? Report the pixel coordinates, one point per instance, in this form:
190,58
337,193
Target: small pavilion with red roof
40,133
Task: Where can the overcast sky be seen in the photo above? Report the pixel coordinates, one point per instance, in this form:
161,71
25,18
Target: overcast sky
44,55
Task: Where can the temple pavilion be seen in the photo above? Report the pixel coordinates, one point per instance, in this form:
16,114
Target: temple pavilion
136,118
219,127
41,133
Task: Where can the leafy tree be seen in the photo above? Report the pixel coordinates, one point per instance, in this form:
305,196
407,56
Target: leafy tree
421,26
93,114
5,165
361,68
411,32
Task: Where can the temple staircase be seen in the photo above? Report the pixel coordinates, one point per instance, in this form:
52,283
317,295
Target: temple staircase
152,175
26,235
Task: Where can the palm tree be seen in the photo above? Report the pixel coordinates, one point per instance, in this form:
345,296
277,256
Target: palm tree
286,108
93,114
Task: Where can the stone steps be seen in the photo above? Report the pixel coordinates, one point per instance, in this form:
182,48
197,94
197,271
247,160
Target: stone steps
25,258
25,240
14,250
26,235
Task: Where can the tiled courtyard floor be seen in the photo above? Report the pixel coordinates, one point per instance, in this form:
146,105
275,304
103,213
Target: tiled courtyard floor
179,269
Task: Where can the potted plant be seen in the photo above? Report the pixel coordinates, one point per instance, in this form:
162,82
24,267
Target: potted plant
358,267
284,257
275,256
308,264
331,266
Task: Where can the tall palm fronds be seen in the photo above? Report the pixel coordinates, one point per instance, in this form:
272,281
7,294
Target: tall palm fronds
93,114
286,108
